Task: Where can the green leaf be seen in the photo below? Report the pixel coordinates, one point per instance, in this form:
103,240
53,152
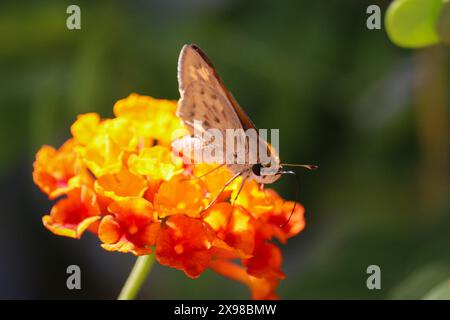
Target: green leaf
440,292
412,23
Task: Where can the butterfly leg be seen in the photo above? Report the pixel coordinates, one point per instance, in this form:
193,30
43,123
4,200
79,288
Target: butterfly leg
235,198
222,190
239,191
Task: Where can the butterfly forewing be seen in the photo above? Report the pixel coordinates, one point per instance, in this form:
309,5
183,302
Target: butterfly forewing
206,103
195,67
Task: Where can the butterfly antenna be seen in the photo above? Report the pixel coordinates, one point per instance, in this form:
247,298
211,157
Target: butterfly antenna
306,166
297,191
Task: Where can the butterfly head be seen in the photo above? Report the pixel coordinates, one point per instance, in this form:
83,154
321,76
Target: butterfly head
264,174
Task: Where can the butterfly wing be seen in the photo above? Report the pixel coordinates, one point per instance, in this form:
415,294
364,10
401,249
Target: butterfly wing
206,104
205,98
199,81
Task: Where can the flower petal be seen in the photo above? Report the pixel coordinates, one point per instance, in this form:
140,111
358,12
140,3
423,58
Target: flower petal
85,128
266,261
53,169
180,196
131,227
121,185
156,162
71,216
184,243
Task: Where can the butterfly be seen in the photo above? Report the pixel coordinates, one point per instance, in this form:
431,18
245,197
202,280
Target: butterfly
205,103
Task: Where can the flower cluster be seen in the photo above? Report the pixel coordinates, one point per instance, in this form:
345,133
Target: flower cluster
118,179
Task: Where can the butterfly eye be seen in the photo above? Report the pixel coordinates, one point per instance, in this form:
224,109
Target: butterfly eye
257,169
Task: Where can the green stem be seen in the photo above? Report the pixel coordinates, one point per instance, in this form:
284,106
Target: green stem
137,277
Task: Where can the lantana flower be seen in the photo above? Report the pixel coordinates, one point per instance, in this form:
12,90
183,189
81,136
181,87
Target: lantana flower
120,180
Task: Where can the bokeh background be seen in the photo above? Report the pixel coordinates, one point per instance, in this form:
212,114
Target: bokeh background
373,116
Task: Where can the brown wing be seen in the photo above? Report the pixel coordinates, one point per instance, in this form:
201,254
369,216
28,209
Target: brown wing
194,67
205,98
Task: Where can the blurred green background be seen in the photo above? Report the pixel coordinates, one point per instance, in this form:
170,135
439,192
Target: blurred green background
373,116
